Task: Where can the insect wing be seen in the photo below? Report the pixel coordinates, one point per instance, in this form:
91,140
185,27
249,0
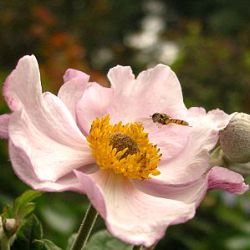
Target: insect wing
147,121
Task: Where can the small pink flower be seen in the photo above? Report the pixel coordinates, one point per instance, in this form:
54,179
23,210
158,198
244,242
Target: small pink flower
140,184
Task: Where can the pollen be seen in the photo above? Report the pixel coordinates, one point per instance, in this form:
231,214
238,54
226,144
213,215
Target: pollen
124,149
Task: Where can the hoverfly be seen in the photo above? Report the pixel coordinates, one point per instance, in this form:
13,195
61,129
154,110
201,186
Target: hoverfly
165,119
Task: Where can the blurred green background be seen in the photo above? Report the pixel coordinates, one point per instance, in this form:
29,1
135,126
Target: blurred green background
206,42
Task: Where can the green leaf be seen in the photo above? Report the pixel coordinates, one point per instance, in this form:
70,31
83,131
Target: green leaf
23,206
7,212
30,231
26,210
71,240
103,240
44,245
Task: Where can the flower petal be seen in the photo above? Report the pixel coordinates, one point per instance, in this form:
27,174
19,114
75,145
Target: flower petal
94,103
189,192
122,80
22,82
72,90
186,176
193,161
46,112
170,139
24,170
194,192
131,215
226,179
4,123
154,90
73,73
164,92
215,119
50,159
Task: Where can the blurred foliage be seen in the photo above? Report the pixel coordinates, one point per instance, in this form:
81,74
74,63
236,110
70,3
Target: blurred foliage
103,240
206,42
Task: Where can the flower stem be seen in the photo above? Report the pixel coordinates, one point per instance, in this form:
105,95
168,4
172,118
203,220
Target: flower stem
138,247
5,244
85,229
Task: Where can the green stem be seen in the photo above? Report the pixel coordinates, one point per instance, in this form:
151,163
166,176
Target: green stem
138,247
85,229
5,243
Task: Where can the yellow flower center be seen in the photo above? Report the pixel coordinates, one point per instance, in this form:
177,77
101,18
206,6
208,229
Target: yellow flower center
124,149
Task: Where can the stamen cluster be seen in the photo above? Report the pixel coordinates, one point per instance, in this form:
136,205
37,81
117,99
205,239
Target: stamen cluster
124,149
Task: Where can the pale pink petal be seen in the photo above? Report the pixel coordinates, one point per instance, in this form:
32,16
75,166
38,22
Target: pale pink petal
43,127
219,118
51,159
122,79
94,103
193,161
189,192
22,82
185,176
47,112
73,73
71,92
226,179
4,123
194,192
154,90
215,119
187,170
170,139
24,170
131,215
53,119
162,90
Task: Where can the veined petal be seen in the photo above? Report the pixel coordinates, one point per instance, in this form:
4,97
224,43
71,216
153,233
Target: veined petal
194,192
23,81
122,79
73,73
154,90
4,124
24,170
186,173
189,192
131,215
187,176
215,119
193,161
49,158
226,179
171,139
163,90
46,111
182,178
72,90
94,103
54,119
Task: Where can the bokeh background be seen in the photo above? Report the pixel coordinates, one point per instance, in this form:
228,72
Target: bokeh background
207,43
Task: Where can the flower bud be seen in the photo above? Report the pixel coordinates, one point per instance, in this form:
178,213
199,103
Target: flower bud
235,138
10,225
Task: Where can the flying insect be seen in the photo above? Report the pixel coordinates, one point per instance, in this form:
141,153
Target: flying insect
164,119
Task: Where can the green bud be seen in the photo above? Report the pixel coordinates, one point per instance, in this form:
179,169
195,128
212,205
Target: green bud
235,138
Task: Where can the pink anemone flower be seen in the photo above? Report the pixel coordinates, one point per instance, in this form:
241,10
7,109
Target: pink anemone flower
140,175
